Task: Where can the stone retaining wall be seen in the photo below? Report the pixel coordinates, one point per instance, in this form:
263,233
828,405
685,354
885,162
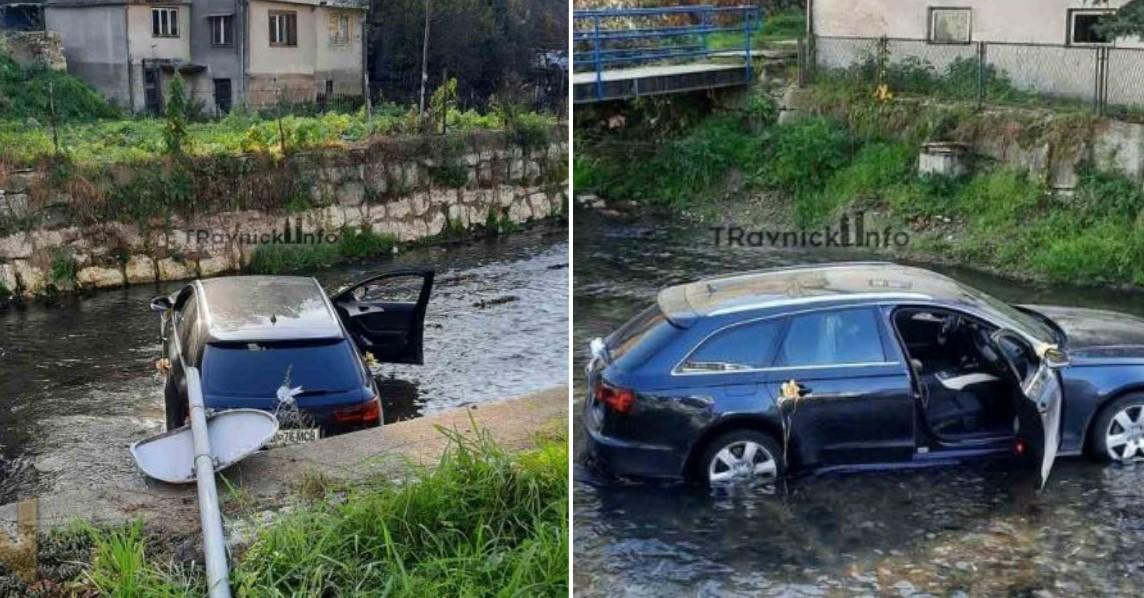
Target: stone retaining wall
356,190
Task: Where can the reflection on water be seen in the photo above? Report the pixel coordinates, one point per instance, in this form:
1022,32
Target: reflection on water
77,381
971,530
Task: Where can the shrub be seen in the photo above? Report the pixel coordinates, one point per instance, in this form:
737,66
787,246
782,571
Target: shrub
276,259
175,131
529,130
365,243
805,154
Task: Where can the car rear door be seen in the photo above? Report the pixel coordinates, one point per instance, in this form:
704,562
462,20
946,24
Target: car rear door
845,395
1039,406
385,314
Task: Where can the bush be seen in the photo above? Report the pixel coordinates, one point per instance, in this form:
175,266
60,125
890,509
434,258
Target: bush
804,155
529,131
365,243
277,259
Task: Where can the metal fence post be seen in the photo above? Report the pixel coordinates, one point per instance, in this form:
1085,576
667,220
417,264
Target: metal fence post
982,74
748,14
883,55
596,58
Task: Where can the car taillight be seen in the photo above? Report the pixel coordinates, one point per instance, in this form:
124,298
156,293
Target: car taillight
366,413
619,399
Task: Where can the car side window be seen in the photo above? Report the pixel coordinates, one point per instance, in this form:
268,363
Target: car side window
832,338
742,347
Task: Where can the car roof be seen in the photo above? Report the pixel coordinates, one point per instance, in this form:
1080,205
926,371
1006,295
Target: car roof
267,308
849,282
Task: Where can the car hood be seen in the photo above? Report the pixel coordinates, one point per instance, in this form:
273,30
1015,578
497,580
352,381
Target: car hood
1097,333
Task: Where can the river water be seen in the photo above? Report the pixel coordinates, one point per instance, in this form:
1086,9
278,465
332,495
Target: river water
980,530
77,379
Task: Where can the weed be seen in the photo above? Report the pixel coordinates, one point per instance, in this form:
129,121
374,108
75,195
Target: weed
277,259
63,269
363,243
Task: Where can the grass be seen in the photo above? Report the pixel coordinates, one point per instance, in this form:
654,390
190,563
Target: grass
351,244
482,522
120,141
817,168
782,25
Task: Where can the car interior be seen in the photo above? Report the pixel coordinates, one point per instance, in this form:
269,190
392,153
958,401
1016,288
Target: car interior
969,392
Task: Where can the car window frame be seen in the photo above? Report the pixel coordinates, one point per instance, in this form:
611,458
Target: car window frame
890,358
871,310
768,355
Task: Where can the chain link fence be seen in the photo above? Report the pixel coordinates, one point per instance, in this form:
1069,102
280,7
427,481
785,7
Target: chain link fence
1109,81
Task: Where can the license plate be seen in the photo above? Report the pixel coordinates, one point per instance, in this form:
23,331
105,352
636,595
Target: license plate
291,436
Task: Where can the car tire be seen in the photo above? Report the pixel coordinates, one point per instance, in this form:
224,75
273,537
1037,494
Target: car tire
176,407
1118,430
724,460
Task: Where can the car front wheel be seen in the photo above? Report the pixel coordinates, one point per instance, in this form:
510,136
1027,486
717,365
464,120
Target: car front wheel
742,457
1119,430
176,407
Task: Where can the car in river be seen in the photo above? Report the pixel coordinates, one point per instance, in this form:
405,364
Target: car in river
752,376
281,344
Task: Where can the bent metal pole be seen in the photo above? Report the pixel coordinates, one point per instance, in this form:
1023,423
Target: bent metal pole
214,546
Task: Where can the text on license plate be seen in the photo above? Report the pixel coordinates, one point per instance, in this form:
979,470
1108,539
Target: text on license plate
286,437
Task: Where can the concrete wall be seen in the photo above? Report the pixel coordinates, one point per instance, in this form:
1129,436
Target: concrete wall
95,45
224,62
142,42
390,192
340,63
1023,21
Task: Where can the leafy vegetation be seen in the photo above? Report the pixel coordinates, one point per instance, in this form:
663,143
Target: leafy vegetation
482,522
351,244
817,168
36,92
782,25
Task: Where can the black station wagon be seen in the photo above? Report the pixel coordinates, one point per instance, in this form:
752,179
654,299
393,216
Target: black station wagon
855,366
280,344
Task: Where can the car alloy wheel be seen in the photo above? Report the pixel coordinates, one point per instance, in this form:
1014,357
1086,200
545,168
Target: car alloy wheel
1124,438
742,461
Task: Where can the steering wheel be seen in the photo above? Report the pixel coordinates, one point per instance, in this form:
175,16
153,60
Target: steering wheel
984,345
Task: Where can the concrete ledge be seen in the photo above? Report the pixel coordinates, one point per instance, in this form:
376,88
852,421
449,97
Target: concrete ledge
273,475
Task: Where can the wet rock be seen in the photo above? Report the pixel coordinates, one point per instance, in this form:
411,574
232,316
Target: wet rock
33,281
590,202
172,269
214,266
140,269
96,277
8,277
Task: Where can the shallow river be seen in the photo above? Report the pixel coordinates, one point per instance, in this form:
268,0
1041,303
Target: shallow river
77,379
980,530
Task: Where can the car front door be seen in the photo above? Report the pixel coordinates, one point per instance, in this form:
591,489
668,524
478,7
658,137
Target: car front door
381,322
1039,406
844,394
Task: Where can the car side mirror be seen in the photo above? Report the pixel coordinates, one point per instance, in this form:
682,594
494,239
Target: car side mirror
161,304
1055,358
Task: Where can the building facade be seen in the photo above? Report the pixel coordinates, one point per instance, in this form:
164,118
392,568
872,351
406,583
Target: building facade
228,52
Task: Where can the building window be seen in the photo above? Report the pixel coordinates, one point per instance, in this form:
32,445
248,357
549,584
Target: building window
1084,30
950,25
283,28
165,22
340,30
222,30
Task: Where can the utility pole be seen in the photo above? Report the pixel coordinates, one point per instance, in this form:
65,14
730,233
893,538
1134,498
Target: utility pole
425,55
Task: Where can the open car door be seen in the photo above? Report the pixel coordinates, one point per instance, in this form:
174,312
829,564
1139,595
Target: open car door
385,314
1039,407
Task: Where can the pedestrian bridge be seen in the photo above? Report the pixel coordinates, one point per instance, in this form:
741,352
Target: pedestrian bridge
634,52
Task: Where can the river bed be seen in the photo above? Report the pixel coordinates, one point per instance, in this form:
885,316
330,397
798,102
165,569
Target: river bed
78,383
960,531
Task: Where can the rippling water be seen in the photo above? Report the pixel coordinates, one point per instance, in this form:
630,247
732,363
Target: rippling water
77,379
980,530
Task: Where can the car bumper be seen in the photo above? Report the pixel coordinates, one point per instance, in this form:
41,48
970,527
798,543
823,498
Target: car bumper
628,459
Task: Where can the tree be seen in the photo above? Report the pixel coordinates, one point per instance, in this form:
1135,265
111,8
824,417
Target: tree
175,131
1128,21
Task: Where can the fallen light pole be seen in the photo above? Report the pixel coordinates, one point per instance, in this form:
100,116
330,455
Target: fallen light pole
196,453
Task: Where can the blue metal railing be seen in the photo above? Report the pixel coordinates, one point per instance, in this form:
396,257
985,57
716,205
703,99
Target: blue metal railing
611,38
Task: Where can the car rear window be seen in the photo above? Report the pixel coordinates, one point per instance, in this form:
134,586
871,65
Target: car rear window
260,369
742,347
639,339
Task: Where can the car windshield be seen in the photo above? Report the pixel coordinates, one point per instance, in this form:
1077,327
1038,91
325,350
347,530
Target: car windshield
1024,321
260,369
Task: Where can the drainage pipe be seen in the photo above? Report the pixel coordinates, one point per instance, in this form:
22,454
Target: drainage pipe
214,546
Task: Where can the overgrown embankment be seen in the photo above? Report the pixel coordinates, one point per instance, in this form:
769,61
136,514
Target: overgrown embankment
482,522
1046,194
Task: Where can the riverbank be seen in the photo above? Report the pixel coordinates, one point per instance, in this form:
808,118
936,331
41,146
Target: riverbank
287,507
1045,203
